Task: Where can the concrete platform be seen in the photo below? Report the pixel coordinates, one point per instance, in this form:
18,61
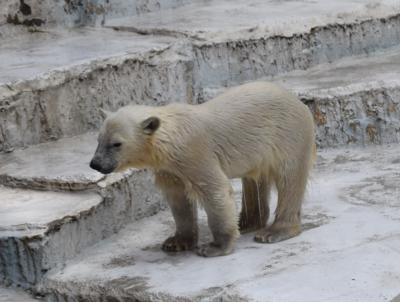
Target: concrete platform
236,41
42,14
53,83
34,227
348,251
224,20
32,56
354,100
63,77
75,208
58,165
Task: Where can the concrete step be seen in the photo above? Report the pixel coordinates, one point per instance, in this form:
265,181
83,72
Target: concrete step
355,100
53,83
53,205
39,14
237,41
348,251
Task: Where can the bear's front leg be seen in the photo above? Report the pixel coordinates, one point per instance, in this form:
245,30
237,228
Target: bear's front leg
184,212
222,217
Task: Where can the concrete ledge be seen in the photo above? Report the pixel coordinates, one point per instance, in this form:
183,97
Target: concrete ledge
53,84
40,230
236,41
34,13
355,100
350,220
59,165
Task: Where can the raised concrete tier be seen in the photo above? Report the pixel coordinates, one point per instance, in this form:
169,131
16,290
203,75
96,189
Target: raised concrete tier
41,14
349,249
52,84
230,42
64,77
355,100
59,165
237,41
224,20
41,229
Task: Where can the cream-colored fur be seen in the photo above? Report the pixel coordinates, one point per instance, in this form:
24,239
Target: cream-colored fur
258,132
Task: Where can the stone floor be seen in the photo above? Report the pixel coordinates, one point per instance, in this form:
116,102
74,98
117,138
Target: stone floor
348,251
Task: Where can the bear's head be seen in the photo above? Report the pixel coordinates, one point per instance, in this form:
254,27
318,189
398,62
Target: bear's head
125,140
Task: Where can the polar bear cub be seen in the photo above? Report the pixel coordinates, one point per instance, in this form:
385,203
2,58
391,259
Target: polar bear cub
258,132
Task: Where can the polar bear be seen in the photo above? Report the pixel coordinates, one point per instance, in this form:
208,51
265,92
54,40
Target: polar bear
258,132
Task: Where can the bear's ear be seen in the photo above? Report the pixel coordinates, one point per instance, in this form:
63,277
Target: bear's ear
150,125
104,113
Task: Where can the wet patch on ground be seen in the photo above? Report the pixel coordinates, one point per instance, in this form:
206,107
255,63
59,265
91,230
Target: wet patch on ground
375,191
122,261
315,220
129,284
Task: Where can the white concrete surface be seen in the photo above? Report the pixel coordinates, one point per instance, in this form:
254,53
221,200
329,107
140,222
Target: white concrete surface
62,164
43,14
348,251
347,75
32,213
53,83
31,56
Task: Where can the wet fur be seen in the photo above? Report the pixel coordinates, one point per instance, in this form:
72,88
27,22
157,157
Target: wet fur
258,132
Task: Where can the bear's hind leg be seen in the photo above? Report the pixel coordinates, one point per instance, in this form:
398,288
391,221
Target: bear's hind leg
255,207
184,212
291,185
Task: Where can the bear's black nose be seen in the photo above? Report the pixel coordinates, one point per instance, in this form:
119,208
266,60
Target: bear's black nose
95,165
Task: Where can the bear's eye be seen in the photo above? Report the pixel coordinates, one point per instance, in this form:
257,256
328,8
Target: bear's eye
117,145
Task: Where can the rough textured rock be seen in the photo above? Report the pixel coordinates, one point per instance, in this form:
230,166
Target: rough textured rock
350,189
42,229
366,116
55,89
